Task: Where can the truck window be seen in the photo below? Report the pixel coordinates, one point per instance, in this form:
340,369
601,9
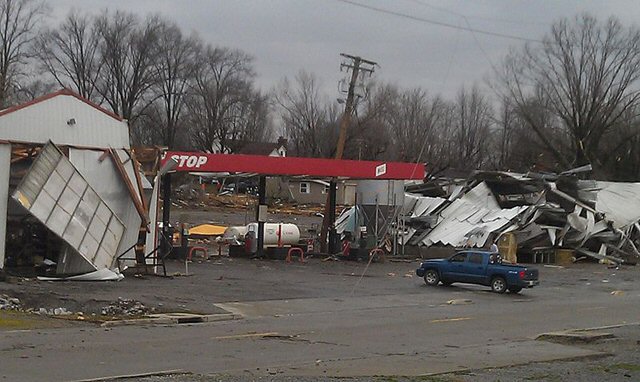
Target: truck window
459,258
475,258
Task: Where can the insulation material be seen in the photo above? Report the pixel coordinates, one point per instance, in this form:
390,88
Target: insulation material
101,173
207,230
55,193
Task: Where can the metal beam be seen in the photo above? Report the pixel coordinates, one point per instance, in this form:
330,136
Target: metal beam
166,213
5,171
262,201
333,240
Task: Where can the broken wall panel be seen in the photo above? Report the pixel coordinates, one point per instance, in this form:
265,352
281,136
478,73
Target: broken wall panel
56,194
101,173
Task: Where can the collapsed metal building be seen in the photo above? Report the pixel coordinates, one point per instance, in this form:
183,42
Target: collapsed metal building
71,192
543,212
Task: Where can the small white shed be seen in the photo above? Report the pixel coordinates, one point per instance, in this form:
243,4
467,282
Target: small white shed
66,119
95,142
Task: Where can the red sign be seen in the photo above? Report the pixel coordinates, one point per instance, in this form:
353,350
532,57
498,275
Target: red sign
315,167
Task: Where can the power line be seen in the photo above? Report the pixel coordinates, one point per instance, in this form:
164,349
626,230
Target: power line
445,10
439,23
466,20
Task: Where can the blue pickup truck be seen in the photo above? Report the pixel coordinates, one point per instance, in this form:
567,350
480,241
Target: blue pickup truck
478,267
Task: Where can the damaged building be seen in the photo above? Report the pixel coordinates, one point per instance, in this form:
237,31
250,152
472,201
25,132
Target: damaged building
72,194
541,217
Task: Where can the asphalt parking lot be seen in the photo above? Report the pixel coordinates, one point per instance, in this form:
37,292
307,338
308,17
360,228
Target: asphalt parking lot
322,319
202,283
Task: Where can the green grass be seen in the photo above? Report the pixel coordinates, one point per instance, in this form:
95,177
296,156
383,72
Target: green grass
14,320
625,366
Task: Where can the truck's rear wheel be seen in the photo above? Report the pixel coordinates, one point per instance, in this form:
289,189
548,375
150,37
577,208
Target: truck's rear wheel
431,277
498,284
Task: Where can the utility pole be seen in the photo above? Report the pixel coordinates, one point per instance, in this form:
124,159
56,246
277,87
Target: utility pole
357,65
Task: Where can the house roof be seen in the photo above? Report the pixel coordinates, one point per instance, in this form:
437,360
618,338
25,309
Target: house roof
65,92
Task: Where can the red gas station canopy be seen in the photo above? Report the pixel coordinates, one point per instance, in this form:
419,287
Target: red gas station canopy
314,167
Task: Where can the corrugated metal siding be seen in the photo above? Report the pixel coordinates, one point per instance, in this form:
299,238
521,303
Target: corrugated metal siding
47,120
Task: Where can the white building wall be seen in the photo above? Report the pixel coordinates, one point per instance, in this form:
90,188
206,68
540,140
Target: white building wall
51,119
5,167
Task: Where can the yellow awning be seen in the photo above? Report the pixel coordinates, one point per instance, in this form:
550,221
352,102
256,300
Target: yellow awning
207,230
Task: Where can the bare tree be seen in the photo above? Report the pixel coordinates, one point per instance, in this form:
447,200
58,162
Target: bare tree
368,138
471,128
413,122
174,70
128,48
222,87
18,22
70,54
307,119
585,75
252,122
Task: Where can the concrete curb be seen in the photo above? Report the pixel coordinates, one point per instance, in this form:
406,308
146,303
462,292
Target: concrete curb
140,375
173,319
582,336
574,337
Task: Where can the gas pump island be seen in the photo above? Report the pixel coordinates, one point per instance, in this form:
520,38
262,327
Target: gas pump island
263,166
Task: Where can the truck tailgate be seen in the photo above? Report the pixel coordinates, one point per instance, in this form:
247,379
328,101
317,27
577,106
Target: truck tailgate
531,274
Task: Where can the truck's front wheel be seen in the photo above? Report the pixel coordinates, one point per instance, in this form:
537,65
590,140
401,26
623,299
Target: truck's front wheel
498,284
431,277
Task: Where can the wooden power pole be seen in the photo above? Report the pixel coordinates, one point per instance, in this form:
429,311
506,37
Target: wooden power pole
357,65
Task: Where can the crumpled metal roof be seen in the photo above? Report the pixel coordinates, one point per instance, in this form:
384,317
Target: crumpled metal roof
620,202
470,220
417,205
467,224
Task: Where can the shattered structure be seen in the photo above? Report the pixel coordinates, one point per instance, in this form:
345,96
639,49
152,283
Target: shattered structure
544,212
72,196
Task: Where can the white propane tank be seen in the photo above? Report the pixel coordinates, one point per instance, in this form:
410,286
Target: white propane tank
274,233
234,234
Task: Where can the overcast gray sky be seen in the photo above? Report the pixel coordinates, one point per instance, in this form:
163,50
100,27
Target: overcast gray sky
285,36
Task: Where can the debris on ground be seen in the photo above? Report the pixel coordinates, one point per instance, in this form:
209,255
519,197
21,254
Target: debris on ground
459,301
126,307
9,303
